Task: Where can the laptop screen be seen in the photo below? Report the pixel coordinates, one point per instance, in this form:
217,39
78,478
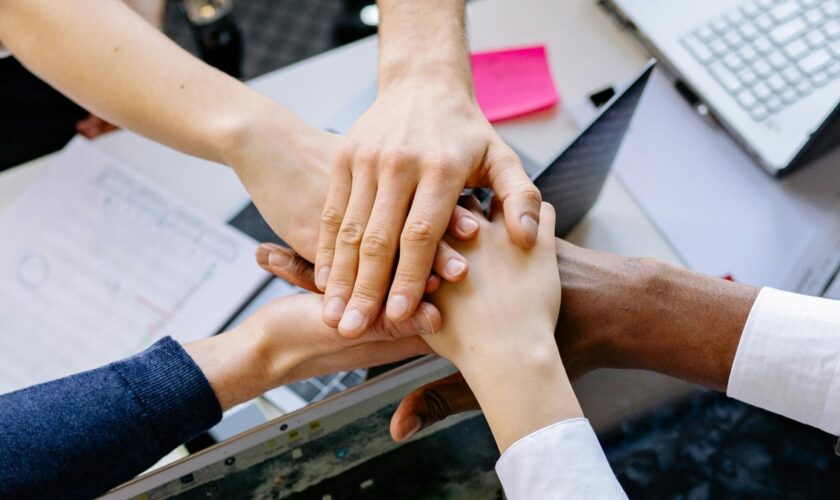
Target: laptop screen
339,449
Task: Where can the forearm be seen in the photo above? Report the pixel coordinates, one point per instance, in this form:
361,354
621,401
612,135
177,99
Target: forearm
80,436
424,41
111,61
520,393
637,313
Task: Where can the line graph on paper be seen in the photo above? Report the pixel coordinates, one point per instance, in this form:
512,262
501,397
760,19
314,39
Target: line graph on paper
97,264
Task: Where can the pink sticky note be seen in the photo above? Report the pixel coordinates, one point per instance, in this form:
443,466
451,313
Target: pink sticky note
510,83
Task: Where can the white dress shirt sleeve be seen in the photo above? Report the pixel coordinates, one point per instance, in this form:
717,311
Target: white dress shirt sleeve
563,460
788,357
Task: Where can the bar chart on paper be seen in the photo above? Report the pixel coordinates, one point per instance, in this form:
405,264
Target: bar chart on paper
96,263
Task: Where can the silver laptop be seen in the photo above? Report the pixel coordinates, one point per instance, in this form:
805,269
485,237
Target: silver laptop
767,70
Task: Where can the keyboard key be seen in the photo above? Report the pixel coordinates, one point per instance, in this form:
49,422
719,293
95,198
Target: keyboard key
774,104
763,22
834,47
733,39
762,45
733,62
698,49
784,33
762,69
832,29
759,113
820,79
831,8
803,87
781,12
719,26
777,83
792,75
351,379
816,39
718,47
814,17
725,77
762,91
746,99
734,18
749,9
809,3
705,33
765,4
789,96
815,61
747,76
748,54
778,60
834,69
748,31
796,49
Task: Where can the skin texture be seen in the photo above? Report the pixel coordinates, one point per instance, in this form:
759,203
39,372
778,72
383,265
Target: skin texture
616,312
160,91
620,312
395,182
286,341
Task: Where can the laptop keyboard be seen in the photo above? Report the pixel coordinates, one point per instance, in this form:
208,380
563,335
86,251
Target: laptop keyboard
768,54
318,388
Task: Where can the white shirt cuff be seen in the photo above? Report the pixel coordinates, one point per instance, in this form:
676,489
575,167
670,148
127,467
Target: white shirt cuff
788,357
563,460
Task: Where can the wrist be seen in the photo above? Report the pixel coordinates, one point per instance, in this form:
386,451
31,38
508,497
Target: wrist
233,365
685,324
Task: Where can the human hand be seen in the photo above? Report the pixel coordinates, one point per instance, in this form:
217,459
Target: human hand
286,341
498,330
394,185
618,312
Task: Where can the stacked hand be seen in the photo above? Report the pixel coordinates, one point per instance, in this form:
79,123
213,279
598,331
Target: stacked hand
394,186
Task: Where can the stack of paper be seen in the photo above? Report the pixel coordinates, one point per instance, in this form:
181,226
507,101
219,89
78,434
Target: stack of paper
97,263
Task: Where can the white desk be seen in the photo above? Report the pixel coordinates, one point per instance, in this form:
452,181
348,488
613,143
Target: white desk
587,50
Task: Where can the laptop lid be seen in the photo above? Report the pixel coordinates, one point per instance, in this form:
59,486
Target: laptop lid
573,180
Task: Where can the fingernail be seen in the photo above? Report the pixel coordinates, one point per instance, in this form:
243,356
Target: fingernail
422,322
467,224
334,309
352,320
262,255
397,306
455,267
322,277
530,226
409,427
278,259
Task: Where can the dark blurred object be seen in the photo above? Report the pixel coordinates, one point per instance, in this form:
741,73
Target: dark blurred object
216,34
358,19
36,119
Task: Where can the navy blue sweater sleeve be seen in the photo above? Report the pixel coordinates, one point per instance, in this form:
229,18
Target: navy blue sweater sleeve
80,436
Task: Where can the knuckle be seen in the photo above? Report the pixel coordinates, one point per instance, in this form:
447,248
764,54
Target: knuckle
365,295
331,217
398,157
418,233
532,194
437,406
376,243
351,233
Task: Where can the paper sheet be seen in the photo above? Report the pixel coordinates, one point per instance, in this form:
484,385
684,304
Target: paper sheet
511,83
720,211
97,263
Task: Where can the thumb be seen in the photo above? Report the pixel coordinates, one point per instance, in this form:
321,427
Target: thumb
518,195
430,404
286,264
